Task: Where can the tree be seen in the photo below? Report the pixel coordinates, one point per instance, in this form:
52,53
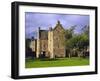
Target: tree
77,42
85,34
69,32
68,36
85,30
28,50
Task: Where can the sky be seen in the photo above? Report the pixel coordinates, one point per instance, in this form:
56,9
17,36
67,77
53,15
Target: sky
46,20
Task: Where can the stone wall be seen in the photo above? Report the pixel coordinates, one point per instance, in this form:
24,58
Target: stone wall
50,44
44,47
58,38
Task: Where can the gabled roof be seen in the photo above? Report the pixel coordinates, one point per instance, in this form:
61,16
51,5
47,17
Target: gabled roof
58,25
43,34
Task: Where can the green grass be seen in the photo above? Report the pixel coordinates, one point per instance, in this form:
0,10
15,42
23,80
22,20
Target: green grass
75,61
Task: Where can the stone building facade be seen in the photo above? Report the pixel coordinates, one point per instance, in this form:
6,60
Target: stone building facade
56,38
50,42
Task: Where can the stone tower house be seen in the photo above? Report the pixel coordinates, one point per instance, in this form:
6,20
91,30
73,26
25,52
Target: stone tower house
51,42
56,39
42,43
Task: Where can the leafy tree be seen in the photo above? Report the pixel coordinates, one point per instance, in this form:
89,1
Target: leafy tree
85,34
68,36
85,30
78,42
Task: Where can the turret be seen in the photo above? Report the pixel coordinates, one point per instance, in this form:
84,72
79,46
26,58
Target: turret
39,32
50,28
38,44
58,22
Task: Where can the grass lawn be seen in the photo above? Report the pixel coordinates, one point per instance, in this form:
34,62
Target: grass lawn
75,61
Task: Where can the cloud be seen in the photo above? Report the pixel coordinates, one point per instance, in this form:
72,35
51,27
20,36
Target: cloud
46,20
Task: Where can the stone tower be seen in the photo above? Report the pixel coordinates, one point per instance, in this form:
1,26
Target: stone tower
42,43
56,39
38,43
50,43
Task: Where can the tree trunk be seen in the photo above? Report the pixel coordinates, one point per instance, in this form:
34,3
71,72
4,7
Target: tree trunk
79,55
69,55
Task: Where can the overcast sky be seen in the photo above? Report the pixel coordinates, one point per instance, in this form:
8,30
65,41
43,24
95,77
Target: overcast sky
46,20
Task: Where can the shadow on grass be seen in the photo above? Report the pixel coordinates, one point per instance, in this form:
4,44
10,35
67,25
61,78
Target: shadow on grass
50,59
40,59
47,59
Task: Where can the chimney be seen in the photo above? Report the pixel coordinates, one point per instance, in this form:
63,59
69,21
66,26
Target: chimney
39,28
39,32
50,28
58,22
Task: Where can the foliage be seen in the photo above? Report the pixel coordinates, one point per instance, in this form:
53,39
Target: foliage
77,41
27,42
69,32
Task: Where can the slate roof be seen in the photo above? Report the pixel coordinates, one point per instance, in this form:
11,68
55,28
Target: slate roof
43,34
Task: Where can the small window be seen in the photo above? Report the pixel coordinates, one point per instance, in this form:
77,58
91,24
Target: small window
44,46
58,45
56,38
